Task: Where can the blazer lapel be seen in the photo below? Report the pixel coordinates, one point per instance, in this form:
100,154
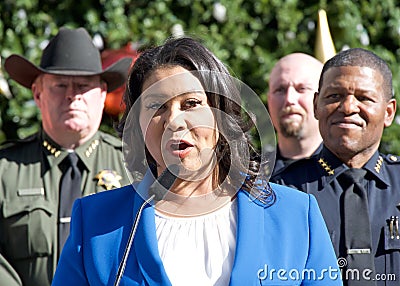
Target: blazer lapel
250,241
145,241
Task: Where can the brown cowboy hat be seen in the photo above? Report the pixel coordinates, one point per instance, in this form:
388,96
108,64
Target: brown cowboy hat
70,52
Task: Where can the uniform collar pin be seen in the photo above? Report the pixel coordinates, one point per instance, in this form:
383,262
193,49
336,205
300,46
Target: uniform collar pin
326,167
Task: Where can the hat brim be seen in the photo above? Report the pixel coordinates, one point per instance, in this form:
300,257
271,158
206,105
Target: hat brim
24,72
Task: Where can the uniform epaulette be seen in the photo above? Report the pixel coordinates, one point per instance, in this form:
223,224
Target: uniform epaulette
392,159
112,140
296,164
16,142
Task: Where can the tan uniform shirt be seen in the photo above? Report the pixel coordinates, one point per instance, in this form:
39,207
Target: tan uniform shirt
29,198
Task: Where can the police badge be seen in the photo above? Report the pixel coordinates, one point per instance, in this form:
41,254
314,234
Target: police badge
109,179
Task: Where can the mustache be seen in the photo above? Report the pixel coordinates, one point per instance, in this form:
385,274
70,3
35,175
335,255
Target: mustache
291,109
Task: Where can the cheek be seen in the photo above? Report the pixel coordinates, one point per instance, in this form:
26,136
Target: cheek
153,141
53,108
323,110
374,116
95,98
203,122
96,109
274,107
145,123
307,103
152,132
275,103
206,137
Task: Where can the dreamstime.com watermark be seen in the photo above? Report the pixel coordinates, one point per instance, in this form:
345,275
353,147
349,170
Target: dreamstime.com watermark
330,273
362,274
297,275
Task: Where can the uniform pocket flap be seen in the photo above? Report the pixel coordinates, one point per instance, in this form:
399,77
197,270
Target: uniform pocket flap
26,204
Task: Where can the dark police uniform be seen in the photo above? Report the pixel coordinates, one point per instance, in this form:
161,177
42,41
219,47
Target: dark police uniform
319,176
29,199
282,162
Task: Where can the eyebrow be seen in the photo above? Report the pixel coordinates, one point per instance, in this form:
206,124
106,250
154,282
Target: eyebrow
152,96
162,96
357,91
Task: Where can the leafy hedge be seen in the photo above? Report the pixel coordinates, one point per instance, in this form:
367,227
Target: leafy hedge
249,37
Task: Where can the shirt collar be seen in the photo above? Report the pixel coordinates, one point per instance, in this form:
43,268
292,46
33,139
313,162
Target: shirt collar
55,153
332,167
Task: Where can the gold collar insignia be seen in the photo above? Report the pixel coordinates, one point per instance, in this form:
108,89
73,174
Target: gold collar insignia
56,151
92,147
326,167
109,179
53,150
378,164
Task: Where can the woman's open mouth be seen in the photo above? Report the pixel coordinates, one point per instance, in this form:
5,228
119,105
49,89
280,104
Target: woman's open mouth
179,148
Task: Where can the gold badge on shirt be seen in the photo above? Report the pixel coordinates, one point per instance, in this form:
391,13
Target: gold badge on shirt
109,179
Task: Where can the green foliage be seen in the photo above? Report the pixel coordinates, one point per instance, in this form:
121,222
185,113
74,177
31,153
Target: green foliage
254,34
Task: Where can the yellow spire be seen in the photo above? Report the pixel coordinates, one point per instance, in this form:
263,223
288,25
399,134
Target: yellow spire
324,48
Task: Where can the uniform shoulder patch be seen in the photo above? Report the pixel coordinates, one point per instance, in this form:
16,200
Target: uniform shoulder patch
18,142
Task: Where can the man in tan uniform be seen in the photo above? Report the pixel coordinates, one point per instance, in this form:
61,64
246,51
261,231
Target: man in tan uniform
43,174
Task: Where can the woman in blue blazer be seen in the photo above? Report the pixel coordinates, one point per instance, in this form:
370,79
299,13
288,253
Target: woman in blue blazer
203,213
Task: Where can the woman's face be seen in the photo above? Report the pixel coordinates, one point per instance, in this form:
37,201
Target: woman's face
177,121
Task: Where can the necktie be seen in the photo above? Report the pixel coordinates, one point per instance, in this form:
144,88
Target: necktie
70,190
360,270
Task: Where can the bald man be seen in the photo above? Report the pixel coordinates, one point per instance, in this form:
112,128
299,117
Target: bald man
292,84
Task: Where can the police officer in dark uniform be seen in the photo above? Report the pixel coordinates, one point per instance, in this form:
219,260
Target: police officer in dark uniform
357,188
43,174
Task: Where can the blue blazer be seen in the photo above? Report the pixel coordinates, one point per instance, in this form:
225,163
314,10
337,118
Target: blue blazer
283,244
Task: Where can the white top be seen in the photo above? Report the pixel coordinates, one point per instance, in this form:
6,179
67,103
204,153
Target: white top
198,250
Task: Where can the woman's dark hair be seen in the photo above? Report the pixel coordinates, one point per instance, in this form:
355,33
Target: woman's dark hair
224,95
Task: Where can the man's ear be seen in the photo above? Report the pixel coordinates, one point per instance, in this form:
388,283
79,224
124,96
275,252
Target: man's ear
390,112
104,87
315,102
104,90
36,93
